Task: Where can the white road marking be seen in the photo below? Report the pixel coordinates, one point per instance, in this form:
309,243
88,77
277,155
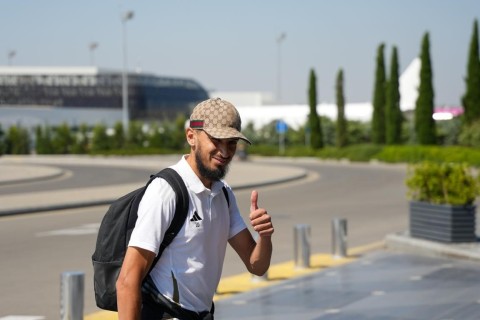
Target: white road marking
22,318
91,228
378,293
332,311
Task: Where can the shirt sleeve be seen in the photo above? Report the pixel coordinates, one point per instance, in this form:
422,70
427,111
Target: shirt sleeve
155,213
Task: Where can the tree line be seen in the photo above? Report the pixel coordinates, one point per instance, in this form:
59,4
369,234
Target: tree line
138,138
387,127
388,124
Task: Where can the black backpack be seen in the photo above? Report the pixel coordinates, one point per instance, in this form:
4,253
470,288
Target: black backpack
115,231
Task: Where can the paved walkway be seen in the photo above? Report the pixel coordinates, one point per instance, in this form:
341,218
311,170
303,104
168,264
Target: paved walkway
379,286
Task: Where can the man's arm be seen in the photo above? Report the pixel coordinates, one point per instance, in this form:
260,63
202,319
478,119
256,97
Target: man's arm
135,266
255,256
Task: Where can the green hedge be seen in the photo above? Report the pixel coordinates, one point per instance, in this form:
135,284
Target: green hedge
389,154
352,153
415,154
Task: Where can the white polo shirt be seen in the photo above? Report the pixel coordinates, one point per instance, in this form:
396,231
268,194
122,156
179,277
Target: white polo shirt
194,259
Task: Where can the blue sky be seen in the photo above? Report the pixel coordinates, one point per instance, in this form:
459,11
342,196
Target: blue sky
231,45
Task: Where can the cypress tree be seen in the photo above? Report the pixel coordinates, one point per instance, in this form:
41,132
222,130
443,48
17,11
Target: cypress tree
393,114
341,131
471,99
313,118
378,118
424,123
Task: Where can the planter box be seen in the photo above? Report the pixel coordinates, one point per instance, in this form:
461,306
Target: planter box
444,223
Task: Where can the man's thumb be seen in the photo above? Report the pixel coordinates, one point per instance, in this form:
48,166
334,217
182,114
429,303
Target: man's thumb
253,200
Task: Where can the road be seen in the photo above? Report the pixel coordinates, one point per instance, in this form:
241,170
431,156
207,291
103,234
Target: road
37,248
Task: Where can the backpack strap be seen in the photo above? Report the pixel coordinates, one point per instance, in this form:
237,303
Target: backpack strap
181,208
225,192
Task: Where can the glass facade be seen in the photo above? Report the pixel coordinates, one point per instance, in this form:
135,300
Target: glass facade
149,96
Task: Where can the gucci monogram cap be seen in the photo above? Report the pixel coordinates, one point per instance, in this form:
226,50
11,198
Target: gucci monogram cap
218,118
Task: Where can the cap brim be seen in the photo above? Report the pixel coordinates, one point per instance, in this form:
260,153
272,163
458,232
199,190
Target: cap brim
226,133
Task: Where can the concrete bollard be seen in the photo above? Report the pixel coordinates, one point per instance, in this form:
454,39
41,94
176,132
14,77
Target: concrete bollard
72,295
301,248
339,238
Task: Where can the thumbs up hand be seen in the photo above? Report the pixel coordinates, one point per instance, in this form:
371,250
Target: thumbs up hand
259,218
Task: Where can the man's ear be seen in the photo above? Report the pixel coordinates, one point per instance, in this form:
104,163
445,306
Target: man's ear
191,137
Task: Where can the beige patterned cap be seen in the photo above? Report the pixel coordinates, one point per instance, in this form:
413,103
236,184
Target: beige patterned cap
218,118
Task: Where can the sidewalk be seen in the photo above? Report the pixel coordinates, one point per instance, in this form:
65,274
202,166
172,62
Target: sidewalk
381,285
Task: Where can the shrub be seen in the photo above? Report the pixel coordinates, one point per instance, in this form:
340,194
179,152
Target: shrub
2,141
82,143
470,135
63,139
444,183
43,137
100,140
17,141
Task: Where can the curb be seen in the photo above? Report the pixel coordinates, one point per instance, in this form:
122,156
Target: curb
57,172
303,175
108,201
403,242
64,206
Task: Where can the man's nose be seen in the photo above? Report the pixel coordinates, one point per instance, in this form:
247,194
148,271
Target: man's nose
223,148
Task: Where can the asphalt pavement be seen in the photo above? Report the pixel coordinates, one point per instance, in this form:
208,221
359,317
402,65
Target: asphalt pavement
17,170
405,279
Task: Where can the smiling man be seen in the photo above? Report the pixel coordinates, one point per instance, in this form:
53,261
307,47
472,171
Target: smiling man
182,284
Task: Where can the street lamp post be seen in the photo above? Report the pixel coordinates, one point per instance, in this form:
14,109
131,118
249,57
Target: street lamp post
11,55
92,46
280,39
125,114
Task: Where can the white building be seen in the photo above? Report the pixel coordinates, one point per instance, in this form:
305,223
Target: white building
252,106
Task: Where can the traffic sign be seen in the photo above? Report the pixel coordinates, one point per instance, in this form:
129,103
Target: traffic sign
281,126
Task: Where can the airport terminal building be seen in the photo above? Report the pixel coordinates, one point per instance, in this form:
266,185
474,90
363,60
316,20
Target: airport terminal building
27,91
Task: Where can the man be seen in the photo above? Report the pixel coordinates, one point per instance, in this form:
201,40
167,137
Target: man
184,280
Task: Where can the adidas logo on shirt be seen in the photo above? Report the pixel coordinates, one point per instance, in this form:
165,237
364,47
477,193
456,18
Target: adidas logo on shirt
196,218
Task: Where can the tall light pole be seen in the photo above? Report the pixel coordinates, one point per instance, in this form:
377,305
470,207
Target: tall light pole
92,46
280,39
11,55
125,116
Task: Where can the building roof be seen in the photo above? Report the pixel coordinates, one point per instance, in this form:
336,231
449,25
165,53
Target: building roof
53,70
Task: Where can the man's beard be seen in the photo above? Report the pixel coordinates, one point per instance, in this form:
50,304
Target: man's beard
212,175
